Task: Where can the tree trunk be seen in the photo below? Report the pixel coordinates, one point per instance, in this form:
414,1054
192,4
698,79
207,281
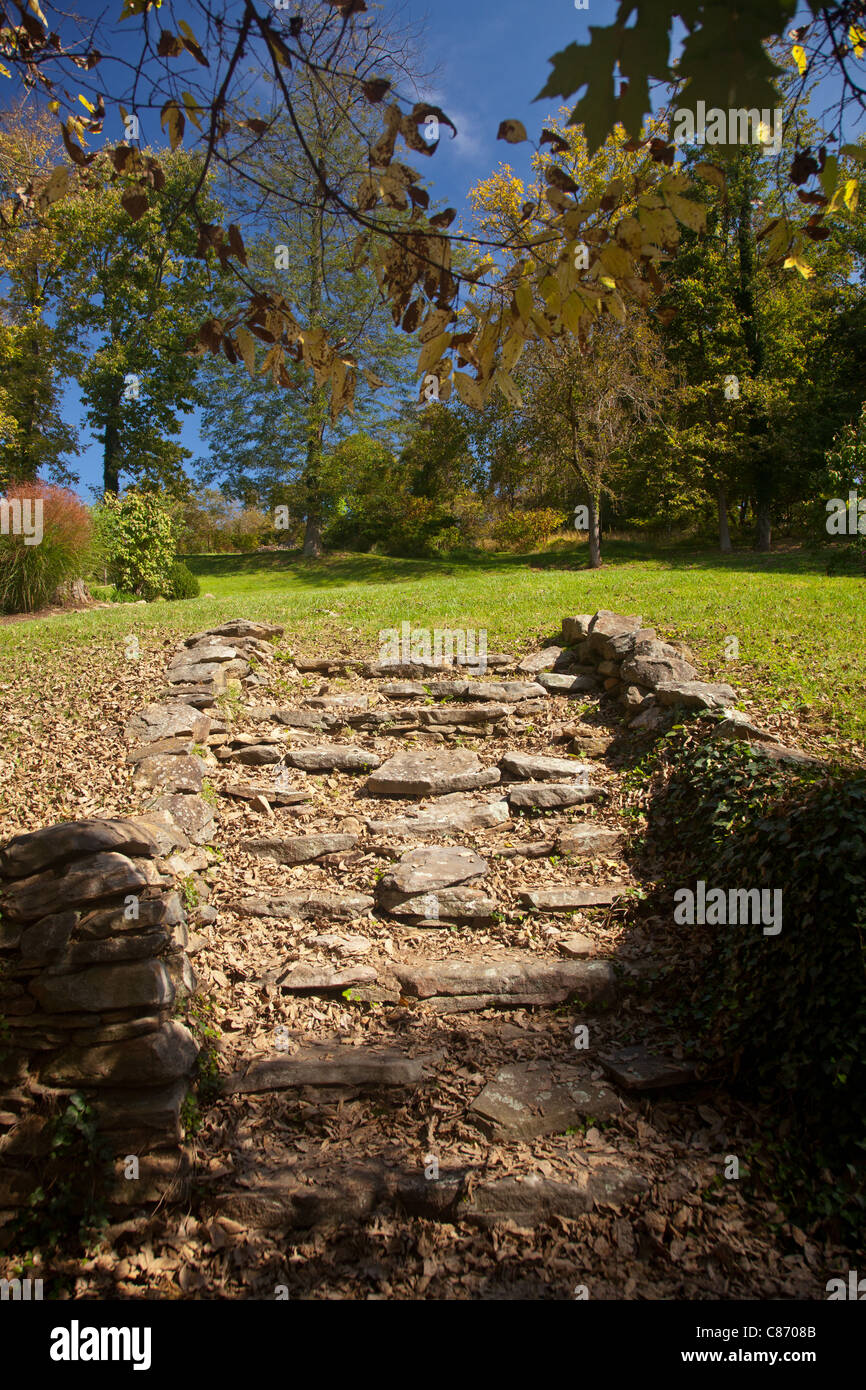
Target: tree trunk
594,531
312,537
316,408
724,533
762,466
111,457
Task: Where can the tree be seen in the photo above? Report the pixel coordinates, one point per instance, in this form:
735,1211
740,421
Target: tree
583,397
269,447
131,292
731,58
33,355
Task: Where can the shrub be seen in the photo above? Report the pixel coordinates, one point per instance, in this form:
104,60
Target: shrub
181,582
137,536
784,1016
527,529
30,573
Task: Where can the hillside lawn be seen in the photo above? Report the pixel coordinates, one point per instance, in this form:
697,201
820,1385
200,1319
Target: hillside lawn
802,634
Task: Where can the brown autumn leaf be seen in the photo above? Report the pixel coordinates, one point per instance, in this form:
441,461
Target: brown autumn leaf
134,203
443,219
375,88
170,45
550,137
512,130
236,243
558,178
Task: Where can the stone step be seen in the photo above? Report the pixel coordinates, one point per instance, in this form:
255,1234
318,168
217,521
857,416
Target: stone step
345,1196
570,899
542,981
305,903
529,1099
429,772
550,796
325,1065
453,812
535,767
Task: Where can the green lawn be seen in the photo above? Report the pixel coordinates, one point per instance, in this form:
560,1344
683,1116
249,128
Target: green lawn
800,633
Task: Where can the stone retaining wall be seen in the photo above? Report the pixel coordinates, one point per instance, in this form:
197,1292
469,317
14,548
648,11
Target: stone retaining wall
93,941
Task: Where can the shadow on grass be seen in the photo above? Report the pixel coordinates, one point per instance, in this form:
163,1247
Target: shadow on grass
351,568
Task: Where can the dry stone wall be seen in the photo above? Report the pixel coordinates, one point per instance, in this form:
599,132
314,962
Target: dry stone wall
93,946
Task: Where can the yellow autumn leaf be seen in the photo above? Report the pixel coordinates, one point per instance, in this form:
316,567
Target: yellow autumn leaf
571,312
88,104
799,56
432,351
523,300
34,6
852,195
659,225
192,107
797,262
6,73
616,260
608,283
469,391
857,39
247,348
615,306
514,345
54,106
692,215
550,293
508,387
712,173
75,125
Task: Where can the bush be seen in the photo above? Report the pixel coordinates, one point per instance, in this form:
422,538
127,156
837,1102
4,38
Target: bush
784,1016
136,536
181,582
30,573
526,530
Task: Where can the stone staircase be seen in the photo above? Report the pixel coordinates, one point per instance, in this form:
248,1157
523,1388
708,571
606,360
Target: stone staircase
415,895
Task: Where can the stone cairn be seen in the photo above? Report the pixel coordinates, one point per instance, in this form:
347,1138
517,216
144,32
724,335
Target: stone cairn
93,942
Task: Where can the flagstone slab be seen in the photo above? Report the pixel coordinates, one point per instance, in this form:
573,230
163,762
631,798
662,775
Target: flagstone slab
431,772
535,767
298,849
438,866
550,796
569,899
639,1069
528,1099
305,903
528,976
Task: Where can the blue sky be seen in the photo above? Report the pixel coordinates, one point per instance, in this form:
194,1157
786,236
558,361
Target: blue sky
488,59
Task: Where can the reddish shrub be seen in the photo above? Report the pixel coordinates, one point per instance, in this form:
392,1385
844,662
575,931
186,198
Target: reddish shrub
45,533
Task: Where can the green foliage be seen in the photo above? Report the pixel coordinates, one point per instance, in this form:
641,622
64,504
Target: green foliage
68,1207
526,529
723,59
181,582
137,534
198,1014
30,572
785,1016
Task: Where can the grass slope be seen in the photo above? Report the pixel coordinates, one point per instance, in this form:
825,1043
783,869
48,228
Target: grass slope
800,633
